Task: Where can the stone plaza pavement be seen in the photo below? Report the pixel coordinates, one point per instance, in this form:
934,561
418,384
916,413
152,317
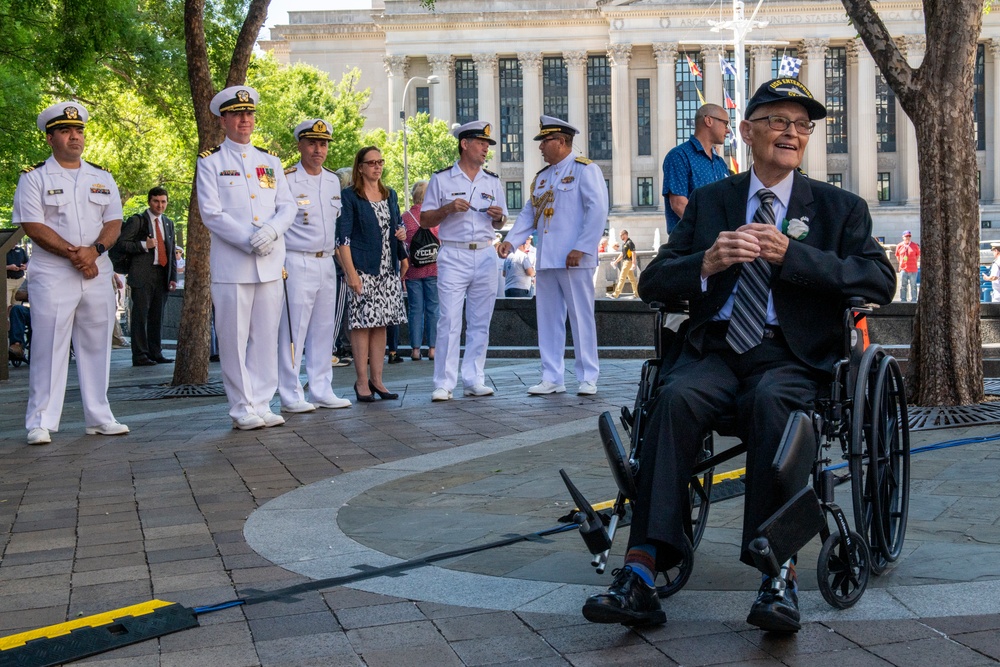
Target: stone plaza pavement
187,510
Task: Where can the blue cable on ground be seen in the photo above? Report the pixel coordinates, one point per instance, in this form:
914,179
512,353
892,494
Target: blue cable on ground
947,444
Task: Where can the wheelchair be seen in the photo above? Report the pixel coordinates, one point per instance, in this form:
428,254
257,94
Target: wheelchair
864,415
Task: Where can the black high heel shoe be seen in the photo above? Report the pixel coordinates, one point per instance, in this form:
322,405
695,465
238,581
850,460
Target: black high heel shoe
365,398
384,395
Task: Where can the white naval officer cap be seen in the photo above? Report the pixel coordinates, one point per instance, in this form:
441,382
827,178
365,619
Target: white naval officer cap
477,129
234,98
62,114
549,124
314,128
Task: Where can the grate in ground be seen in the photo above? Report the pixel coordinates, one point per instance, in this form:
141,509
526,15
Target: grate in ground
158,391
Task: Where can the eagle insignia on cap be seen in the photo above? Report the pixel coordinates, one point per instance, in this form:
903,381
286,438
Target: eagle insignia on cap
486,130
72,113
243,96
319,126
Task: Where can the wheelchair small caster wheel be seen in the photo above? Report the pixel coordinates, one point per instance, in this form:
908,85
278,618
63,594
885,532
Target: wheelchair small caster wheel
843,570
672,580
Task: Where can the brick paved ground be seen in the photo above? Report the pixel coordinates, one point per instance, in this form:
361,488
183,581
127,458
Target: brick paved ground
89,524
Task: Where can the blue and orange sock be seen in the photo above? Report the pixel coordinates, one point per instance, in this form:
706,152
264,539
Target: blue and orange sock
642,561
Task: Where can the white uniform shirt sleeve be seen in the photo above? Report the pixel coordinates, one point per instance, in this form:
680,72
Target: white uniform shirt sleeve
594,198
28,199
113,211
432,198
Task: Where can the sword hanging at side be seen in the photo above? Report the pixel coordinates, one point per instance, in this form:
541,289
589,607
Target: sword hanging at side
288,313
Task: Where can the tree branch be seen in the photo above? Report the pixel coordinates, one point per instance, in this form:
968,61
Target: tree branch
898,73
254,21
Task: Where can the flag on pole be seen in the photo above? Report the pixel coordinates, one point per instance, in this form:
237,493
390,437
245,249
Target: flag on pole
789,66
693,67
734,166
727,67
701,98
729,101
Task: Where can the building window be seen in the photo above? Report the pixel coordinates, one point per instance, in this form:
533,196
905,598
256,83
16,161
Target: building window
607,184
466,91
644,187
884,191
423,100
836,100
979,97
979,184
513,189
835,179
555,88
599,108
987,224
511,111
885,115
776,60
643,112
688,101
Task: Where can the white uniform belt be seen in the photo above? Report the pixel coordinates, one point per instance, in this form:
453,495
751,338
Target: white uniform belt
310,253
468,245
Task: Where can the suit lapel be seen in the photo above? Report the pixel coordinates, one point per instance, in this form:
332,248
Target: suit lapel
736,201
800,204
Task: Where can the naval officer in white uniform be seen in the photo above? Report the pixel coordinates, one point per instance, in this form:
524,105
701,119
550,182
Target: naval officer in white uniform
247,206
311,287
72,212
567,211
467,204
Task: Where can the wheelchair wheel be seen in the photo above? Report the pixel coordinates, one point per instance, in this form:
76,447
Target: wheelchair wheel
670,581
863,486
700,494
842,585
889,460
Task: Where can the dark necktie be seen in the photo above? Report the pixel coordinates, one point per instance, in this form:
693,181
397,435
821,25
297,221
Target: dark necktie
746,325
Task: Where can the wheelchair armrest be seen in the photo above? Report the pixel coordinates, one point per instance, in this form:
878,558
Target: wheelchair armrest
672,306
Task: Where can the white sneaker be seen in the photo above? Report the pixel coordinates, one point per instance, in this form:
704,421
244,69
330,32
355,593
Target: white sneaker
111,428
479,390
298,406
546,387
248,423
39,436
271,419
587,389
441,394
333,403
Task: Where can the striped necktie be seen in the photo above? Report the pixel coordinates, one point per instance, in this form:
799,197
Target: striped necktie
746,325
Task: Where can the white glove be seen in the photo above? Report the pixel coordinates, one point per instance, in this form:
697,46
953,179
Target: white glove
264,249
264,235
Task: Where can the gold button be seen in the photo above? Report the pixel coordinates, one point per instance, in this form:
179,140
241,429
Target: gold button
253,196
255,218
244,154
248,175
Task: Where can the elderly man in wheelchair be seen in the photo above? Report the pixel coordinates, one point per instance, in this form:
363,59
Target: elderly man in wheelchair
767,260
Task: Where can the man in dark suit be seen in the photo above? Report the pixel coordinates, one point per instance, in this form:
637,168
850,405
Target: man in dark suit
767,260
148,238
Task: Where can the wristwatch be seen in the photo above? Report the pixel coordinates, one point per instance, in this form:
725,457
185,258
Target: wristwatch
99,247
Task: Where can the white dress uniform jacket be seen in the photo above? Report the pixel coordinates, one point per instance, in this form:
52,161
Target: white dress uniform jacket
312,287
75,203
578,204
468,270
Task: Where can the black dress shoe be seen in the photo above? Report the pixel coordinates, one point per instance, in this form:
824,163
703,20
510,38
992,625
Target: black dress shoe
163,360
385,395
143,361
629,601
776,608
363,398
395,358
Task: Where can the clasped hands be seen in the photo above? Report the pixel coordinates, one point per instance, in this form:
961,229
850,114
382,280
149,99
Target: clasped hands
743,246
263,240
84,259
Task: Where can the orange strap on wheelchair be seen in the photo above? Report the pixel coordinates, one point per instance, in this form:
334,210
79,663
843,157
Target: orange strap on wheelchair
861,323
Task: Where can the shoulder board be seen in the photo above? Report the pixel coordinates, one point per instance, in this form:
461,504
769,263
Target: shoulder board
210,151
542,169
441,171
96,166
264,150
291,170
325,168
583,160
491,173
32,167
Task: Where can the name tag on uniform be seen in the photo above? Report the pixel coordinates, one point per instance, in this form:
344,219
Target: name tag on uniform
302,202
335,198
229,172
100,189
55,192
265,176
457,194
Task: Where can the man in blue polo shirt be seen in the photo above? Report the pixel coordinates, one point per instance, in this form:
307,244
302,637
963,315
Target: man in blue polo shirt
694,163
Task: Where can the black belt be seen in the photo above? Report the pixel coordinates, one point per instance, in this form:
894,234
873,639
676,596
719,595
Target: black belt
721,328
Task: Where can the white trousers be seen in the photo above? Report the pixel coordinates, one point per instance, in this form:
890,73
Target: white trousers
67,307
560,292
246,324
310,304
469,276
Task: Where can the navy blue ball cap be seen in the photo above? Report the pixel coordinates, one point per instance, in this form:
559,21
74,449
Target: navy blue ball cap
786,89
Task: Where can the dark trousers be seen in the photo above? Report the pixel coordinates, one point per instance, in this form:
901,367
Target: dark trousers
762,387
149,298
20,320
515,293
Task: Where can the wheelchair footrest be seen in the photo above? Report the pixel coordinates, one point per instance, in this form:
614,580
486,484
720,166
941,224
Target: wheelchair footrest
789,529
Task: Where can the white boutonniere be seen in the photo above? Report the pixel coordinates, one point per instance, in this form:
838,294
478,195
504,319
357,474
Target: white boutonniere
796,228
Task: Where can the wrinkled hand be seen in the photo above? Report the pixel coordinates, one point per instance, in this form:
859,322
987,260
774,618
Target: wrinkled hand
505,249
729,248
400,233
573,258
773,244
263,236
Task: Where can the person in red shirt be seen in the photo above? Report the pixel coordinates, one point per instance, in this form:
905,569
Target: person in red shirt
908,257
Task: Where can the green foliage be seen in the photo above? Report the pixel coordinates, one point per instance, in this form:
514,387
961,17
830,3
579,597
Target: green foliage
430,147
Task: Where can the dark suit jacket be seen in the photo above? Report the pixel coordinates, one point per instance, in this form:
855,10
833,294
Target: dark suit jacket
135,231
358,225
837,260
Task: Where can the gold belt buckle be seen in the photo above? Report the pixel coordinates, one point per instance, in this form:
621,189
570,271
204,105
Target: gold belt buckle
473,246
319,254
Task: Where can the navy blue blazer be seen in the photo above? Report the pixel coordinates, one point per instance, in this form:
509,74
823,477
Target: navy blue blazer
357,227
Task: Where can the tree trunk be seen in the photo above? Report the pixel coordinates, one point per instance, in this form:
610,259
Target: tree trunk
193,335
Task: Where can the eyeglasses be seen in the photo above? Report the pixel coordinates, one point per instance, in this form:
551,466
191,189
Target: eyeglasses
374,163
721,120
478,210
780,123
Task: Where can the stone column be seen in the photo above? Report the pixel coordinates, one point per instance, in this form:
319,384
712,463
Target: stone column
621,127
395,67
576,90
712,74
814,64
763,56
994,146
666,105
912,47
531,76
442,104
861,121
486,71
